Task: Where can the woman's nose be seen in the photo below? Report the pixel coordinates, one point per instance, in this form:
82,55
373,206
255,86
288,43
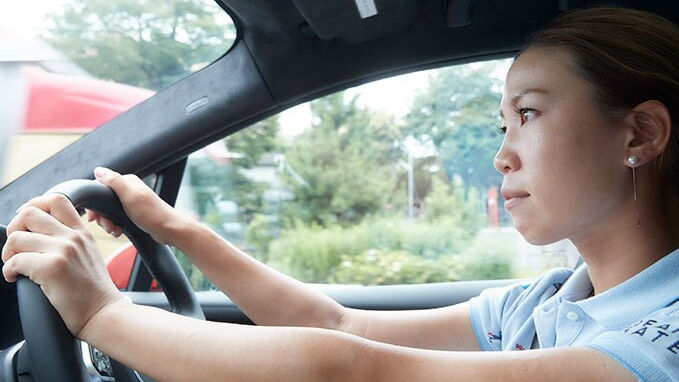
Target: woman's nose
506,159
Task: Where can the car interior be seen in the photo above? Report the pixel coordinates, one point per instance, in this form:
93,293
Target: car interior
286,52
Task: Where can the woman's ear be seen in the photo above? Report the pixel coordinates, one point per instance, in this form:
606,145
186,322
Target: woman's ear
650,130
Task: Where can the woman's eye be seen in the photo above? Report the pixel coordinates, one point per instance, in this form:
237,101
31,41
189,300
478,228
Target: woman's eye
527,114
502,129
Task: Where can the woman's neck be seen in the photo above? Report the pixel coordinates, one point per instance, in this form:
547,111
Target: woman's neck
618,250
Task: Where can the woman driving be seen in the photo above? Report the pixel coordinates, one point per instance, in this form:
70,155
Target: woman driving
590,153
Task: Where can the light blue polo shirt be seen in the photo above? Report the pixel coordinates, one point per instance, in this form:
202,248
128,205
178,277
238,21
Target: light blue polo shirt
636,323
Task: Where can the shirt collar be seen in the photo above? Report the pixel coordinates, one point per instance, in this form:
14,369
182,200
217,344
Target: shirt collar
653,288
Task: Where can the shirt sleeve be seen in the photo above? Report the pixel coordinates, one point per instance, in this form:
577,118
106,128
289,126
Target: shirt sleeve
649,348
498,312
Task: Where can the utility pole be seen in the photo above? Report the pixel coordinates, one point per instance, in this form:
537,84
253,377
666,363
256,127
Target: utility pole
411,187
411,184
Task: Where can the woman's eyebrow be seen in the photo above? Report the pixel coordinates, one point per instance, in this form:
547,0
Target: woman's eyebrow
517,96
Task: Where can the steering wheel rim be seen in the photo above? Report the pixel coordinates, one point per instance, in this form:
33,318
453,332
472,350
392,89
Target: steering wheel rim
60,357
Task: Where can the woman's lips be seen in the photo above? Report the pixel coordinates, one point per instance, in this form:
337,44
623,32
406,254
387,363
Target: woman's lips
513,202
513,197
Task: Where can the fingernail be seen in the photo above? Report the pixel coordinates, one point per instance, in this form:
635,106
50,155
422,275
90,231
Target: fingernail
101,172
21,207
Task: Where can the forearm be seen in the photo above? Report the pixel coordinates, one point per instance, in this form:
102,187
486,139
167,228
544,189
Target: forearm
266,296
447,328
270,298
170,347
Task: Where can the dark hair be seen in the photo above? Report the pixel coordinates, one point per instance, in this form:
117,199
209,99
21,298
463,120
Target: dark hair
629,56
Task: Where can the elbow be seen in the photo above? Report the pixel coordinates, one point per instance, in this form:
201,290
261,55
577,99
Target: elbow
341,319
346,321
357,360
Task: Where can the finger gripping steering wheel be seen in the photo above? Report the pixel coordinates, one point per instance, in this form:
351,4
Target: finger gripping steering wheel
53,352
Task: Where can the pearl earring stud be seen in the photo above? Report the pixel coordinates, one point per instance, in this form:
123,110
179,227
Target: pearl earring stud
632,160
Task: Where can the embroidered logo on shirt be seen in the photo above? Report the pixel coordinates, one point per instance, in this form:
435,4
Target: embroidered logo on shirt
557,286
661,333
519,347
494,337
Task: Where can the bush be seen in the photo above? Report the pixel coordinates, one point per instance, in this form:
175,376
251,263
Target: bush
311,253
385,251
258,235
456,204
374,267
314,254
490,256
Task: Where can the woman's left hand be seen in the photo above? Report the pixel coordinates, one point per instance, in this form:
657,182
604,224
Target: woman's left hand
48,242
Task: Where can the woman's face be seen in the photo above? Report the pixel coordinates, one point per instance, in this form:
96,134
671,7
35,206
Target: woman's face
561,159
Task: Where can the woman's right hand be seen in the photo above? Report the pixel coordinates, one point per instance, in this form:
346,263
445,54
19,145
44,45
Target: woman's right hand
146,209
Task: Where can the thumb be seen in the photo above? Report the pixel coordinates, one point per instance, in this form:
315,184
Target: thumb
106,176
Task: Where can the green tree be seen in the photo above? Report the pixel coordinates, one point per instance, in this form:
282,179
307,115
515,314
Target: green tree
213,181
457,115
146,43
345,162
461,206
259,235
253,142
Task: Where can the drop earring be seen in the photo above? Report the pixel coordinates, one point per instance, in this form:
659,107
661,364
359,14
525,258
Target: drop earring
632,160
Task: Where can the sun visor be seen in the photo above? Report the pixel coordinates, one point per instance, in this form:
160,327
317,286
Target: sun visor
357,21
459,13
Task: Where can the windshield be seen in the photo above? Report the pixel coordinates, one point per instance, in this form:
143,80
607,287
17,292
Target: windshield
67,67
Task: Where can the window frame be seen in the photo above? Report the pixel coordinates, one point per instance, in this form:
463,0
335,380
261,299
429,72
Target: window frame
166,186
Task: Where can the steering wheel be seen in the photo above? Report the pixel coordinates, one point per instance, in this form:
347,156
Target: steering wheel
53,352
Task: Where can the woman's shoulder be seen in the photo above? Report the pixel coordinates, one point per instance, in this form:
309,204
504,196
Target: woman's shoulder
549,282
499,315
523,295
528,295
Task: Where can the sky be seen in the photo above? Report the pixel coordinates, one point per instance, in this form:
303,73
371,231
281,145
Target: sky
391,95
25,17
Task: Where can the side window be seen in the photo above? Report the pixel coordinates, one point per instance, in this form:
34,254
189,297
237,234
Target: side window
387,183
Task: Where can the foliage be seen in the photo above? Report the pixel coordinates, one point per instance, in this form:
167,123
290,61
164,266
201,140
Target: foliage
254,142
461,205
457,116
386,251
146,43
212,181
488,257
258,234
382,253
346,160
313,253
376,267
